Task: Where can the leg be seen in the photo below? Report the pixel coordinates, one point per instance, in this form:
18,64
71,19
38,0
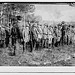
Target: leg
31,46
23,46
14,46
14,50
42,43
12,41
52,42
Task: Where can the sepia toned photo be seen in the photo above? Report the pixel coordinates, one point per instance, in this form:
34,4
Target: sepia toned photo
37,34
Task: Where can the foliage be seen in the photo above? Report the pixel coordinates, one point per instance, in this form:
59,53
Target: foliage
19,6
11,9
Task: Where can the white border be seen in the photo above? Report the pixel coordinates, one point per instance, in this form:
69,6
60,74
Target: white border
17,69
37,0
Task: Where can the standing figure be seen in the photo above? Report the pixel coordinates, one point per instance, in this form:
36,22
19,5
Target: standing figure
14,37
63,34
2,36
7,37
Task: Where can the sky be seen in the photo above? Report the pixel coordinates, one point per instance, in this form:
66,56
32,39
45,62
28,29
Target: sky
51,12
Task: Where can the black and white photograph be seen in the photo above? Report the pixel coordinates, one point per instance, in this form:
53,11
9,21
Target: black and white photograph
37,34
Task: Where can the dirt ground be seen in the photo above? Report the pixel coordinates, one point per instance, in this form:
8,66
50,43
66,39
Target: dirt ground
61,56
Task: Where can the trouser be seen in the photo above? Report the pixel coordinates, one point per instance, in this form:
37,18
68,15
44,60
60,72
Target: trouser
63,39
13,41
67,40
31,46
7,41
2,43
14,44
53,42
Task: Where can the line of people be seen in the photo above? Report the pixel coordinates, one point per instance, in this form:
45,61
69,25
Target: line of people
37,35
53,36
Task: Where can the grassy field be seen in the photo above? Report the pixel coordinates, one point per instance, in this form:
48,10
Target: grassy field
61,56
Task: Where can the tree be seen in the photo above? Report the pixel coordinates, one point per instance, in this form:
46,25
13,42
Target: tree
33,18
25,7
37,19
11,9
30,18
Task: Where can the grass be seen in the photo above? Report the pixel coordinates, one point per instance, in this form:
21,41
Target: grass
61,56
